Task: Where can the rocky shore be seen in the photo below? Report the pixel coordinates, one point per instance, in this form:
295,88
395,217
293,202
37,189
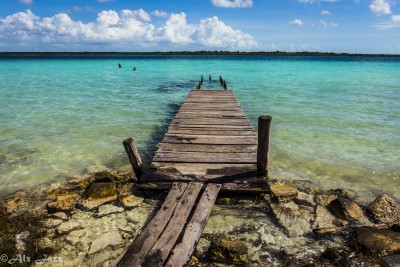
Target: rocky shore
91,222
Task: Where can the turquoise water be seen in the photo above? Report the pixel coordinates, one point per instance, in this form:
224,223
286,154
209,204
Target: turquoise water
335,120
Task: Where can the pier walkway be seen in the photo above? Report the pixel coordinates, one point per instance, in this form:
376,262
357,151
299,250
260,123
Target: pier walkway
209,147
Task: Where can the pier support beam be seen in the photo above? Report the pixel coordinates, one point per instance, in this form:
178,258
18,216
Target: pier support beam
134,157
264,129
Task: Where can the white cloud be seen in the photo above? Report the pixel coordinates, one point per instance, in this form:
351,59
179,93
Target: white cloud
379,7
325,13
327,24
26,2
393,23
160,14
232,3
297,22
127,29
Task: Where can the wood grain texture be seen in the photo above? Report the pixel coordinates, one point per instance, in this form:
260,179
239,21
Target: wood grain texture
149,235
182,251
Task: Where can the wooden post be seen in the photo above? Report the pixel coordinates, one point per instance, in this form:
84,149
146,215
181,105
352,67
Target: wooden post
134,157
220,79
209,77
225,87
264,130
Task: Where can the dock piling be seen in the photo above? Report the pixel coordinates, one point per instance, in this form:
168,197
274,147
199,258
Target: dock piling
264,130
134,157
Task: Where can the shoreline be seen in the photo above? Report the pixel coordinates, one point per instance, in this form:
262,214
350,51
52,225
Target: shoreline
92,220
199,53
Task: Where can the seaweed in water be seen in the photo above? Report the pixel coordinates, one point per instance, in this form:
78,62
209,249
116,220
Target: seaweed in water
173,85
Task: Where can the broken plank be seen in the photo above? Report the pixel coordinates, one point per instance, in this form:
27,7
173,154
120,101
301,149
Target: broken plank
182,251
149,235
161,249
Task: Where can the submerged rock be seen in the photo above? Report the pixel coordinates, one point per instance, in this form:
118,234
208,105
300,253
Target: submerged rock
130,201
392,261
228,249
22,242
294,219
99,194
64,203
283,191
384,209
348,209
15,202
110,239
323,218
68,227
378,241
107,209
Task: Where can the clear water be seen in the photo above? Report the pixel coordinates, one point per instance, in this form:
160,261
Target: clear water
335,120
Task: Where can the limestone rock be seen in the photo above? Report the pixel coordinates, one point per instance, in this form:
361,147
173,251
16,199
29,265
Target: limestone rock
384,209
63,203
22,242
102,191
283,191
348,209
392,261
130,201
60,216
378,241
294,219
110,239
107,209
51,223
15,202
99,194
124,188
228,249
81,182
68,227
323,218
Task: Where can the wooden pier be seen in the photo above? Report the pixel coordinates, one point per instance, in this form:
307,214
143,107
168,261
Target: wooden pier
209,147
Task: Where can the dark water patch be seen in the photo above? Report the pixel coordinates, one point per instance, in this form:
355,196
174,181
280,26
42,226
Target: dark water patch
174,86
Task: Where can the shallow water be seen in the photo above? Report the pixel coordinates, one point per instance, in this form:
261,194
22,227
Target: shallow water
335,120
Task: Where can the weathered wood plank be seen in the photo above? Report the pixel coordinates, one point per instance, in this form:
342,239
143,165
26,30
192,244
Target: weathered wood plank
205,157
217,148
149,235
161,249
211,132
208,121
198,139
259,187
211,112
206,116
182,251
219,127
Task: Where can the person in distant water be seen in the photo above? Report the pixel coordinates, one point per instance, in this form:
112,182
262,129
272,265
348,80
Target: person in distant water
134,68
119,65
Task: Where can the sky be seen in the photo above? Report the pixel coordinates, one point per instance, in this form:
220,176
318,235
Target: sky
341,26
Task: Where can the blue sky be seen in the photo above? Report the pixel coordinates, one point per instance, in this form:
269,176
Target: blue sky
354,26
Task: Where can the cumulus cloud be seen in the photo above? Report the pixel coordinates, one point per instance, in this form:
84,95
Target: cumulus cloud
297,22
160,14
325,13
379,7
232,3
126,29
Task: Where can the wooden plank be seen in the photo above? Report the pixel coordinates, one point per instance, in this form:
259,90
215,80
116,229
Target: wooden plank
207,121
145,241
211,112
199,139
211,132
205,157
208,116
203,168
182,251
161,249
260,187
216,148
220,127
